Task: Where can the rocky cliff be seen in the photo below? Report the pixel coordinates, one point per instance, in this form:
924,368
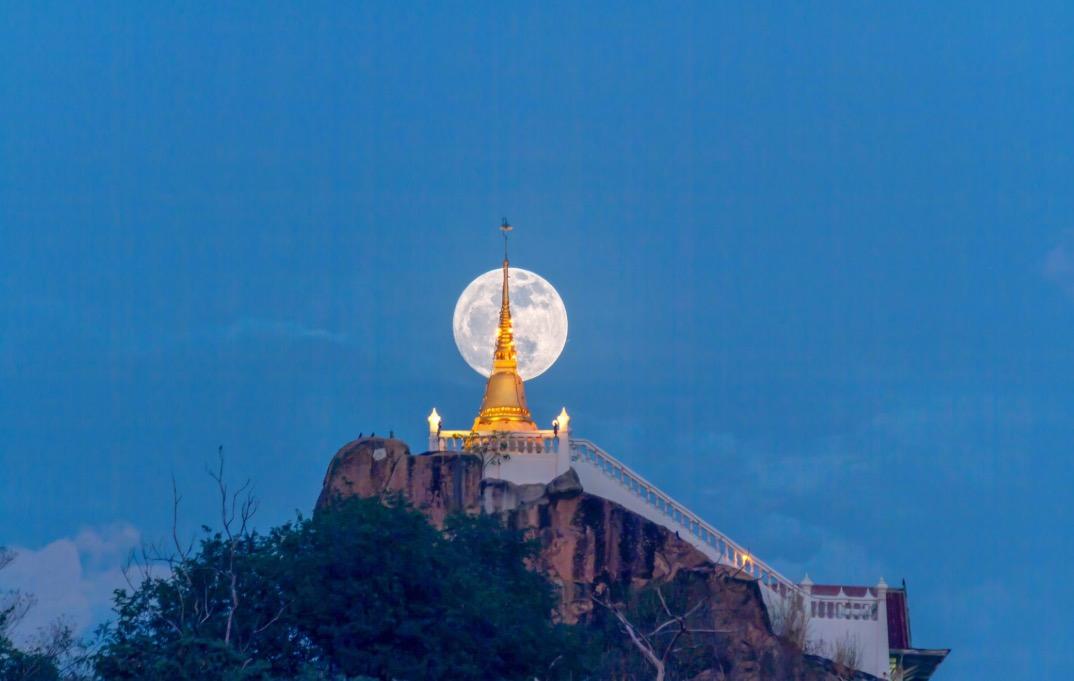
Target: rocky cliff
589,546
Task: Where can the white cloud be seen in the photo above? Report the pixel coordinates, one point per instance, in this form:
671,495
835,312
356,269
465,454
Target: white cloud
71,578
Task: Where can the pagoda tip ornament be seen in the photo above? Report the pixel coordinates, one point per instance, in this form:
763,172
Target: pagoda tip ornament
504,405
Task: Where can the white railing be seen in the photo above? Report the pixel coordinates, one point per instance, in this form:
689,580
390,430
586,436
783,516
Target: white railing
843,606
846,609
701,532
506,442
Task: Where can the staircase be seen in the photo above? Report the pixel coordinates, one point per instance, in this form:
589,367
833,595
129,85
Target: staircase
848,615
606,476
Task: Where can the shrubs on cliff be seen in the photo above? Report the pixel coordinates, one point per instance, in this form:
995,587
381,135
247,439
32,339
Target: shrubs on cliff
363,588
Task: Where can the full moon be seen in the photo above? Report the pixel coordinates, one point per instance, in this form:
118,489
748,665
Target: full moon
537,314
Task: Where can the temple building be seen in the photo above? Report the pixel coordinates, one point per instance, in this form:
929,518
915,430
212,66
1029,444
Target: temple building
874,619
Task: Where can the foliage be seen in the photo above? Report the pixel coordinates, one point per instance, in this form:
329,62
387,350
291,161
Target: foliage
365,588
847,651
52,655
25,666
790,621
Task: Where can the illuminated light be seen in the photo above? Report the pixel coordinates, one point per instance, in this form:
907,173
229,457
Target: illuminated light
564,420
434,421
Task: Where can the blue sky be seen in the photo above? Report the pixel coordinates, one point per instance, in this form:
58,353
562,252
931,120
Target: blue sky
818,261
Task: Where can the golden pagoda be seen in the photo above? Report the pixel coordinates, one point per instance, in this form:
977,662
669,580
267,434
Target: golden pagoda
510,445
504,406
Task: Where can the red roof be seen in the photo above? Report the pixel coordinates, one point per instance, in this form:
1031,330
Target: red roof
898,619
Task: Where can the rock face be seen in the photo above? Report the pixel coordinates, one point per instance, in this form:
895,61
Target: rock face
438,484
589,545
587,540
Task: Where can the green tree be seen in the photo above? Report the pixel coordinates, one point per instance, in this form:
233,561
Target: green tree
48,658
18,665
365,588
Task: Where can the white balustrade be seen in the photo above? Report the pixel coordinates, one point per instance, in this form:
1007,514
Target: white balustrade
703,533
845,607
526,442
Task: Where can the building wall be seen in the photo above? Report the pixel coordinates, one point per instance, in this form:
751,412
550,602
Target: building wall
525,469
868,637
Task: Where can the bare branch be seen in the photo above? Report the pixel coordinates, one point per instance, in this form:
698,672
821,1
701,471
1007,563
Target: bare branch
272,621
663,602
640,642
645,644
238,505
663,626
181,552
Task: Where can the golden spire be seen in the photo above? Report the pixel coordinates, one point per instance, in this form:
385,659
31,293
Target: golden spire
505,357
504,406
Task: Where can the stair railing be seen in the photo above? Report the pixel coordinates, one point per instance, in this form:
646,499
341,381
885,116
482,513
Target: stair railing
730,552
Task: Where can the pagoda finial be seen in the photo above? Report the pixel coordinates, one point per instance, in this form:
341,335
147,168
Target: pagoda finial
504,406
505,227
